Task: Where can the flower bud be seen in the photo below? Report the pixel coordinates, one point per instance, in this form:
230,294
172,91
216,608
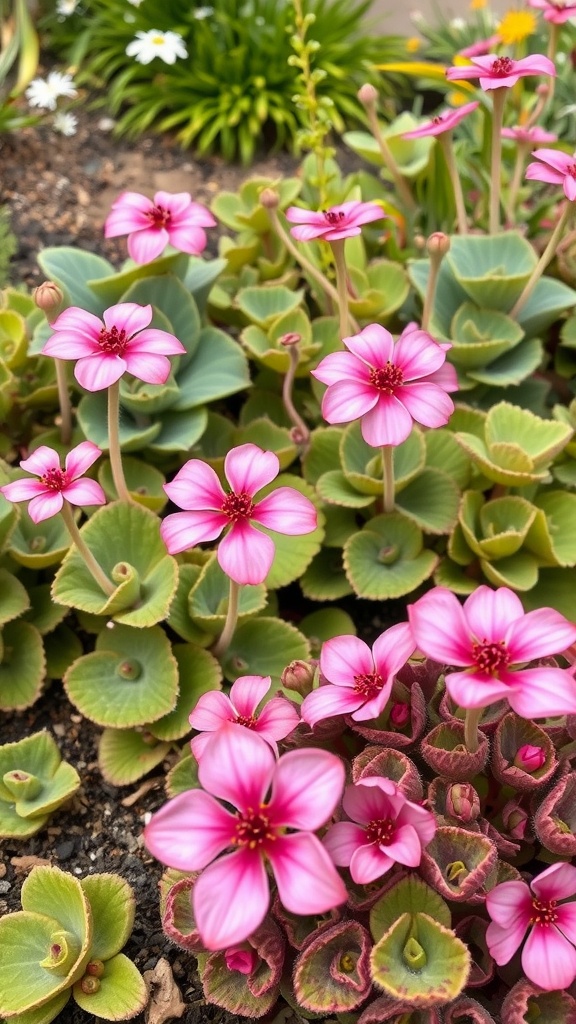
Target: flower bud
367,94
399,715
515,819
438,244
529,758
299,676
292,338
463,802
89,985
242,958
49,298
269,198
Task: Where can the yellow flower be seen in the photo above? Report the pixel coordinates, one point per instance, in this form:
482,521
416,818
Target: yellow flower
477,5
516,26
413,44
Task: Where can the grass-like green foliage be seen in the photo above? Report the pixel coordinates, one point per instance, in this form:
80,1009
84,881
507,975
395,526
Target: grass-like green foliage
235,89
8,245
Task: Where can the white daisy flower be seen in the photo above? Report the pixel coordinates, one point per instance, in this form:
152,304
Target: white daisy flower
135,3
45,94
166,45
65,123
66,7
202,12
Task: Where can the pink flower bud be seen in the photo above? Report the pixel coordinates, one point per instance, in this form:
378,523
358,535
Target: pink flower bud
269,198
463,802
243,959
49,298
529,758
299,676
399,715
438,244
292,338
515,819
367,94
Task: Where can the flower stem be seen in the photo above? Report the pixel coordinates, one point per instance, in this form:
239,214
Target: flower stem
543,261
402,186
91,564
521,152
388,476
342,286
114,442
471,735
498,100
223,642
437,246
445,140
301,433
64,402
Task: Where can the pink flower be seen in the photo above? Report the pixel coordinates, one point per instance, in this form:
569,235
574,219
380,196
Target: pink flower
555,168
549,956
359,680
388,385
501,72
152,224
107,349
342,221
529,758
242,958
245,553
528,136
481,47
47,494
443,122
489,636
297,792
214,710
555,11
385,829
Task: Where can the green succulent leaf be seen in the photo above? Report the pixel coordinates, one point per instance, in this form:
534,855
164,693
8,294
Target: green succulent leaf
38,545
411,895
480,336
198,672
183,776
551,536
492,269
145,483
292,554
323,454
217,369
61,647
420,962
22,667
114,287
179,618
113,905
263,646
262,305
511,368
208,598
126,755
387,558
122,993
14,598
336,489
72,269
325,579
45,1013
431,500
170,296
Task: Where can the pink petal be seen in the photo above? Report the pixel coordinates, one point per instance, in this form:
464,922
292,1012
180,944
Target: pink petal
144,246
535,64
230,899
128,316
80,458
190,239
446,378
199,743
374,344
478,690
156,342
375,706
538,634
132,201
41,461
548,959
328,701
183,530
212,710
237,766
99,371
561,162
245,554
389,423
78,321
342,840
70,345
566,920
287,511
440,628
248,468
340,366
405,847
247,692
307,880
555,883
196,487
368,863
421,820
297,215
503,942
427,403
417,354
542,692
371,799
84,492
197,215
570,188
509,904
189,831
310,232
539,172
176,203
124,221
348,400
23,490
490,613
393,648
343,658
307,786
277,719
44,506
147,367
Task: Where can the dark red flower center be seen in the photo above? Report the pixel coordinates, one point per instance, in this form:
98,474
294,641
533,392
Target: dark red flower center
571,170
248,722
502,66
237,506
253,828
368,684
113,341
544,912
55,479
387,378
438,119
490,657
334,216
159,217
380,831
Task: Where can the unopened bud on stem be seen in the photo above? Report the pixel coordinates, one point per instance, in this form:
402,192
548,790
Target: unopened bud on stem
49,298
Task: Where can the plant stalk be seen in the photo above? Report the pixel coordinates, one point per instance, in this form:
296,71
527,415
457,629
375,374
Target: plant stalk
388,477
114,451
64,402
301,431
498,100
445,140
402,186
471,735
223,642
90,562
521,152
543,261
342,286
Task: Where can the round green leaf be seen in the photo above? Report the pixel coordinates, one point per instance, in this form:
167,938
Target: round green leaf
13,597
262,304
38,545
433,978
113,905
23,666
431,500
263,647
182,776
411,895
208,598
324,579
387,558
217,369
292,554
122,993
93,418
198,672
145,483
126,755
336,489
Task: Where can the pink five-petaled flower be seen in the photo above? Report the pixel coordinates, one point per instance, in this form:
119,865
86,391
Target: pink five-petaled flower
214,710
480,47
359,680
555,11
555,168
388,385
501,72
443,122
342,221
153,223
488,636
385,829
106,349
297,792
531,136
549,956
245,553
47,494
